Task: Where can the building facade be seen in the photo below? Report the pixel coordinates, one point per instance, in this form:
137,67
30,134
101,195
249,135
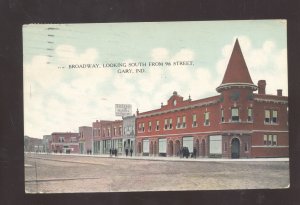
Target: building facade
85,139
107,135
235,123
65,142
129,134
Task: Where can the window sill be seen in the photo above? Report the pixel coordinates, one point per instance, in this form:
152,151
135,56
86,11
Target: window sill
265,123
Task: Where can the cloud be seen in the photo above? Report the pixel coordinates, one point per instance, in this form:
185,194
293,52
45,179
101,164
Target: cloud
68,54
159,54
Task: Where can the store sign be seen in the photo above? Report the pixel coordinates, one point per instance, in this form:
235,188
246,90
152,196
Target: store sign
123,110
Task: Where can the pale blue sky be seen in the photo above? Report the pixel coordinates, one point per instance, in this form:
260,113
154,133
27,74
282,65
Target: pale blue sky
62,99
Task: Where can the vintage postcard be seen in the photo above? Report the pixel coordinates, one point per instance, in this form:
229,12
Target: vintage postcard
160,106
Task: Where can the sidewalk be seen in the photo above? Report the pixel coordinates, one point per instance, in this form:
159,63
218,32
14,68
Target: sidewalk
156,158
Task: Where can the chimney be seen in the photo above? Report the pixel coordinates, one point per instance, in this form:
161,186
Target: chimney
261,87
279,92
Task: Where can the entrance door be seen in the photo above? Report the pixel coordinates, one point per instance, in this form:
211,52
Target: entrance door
235,148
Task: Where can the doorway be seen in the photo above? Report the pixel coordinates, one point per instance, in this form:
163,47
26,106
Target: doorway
235,148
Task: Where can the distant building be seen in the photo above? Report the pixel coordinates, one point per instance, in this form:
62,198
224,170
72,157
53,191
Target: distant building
65,142
33,144
85,139
236,123
46,143
129,134
107,135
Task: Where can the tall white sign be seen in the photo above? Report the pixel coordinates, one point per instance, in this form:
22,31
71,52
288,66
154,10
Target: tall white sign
123,110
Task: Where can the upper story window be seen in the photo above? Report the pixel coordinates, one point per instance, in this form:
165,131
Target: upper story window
183,122
194,121
157,125
141,127
270,140
168,124
250,115
271,117
115,131
178,125
61,139
222,115
274,116
104,132
120,130
235,115
149,126
180,122
206,119
108,132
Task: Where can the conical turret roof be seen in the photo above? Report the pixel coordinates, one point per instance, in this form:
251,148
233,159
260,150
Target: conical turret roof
237,72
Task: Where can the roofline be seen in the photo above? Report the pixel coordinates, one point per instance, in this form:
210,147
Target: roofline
238,84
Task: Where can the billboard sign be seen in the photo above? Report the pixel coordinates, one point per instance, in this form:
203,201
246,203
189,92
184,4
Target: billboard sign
123,110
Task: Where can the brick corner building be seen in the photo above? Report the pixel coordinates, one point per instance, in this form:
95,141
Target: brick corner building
236,123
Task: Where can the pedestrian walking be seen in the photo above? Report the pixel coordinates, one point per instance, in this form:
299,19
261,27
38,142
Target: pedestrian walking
131,152
116,152
110,152
194,152
126,152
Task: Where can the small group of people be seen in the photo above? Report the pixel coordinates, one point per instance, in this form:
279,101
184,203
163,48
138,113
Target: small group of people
126,152
185,153
113,152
